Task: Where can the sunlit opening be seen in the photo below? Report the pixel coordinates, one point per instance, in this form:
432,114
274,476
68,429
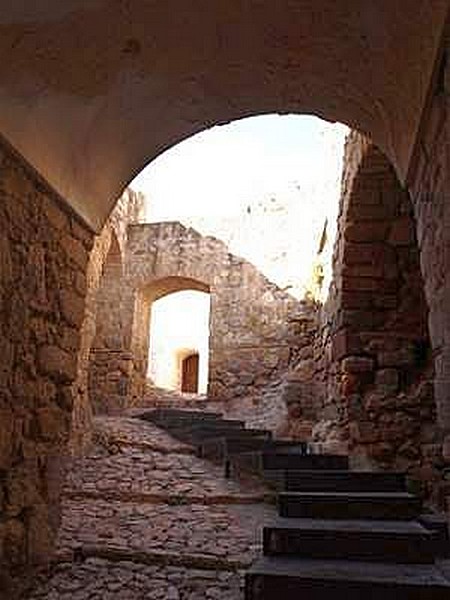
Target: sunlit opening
268,186
179,342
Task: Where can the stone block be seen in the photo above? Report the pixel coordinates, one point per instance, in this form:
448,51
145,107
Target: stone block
363,284
368,231
370,253
7,358
6,437
373,270
402,232
6,269
14,540
357,299
55,216
446,449
360,319
404,357
369,212
387,380
82,233
75,251
72,307
357,364
80,285
56,363
385,301
52,423
344,343
39,535
70,339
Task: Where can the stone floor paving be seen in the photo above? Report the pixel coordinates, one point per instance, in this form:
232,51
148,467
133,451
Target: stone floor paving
143,517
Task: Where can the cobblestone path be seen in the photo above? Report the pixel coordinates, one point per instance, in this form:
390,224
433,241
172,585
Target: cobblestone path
143,518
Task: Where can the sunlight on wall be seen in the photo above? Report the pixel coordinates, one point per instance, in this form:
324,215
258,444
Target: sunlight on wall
179,325
264,185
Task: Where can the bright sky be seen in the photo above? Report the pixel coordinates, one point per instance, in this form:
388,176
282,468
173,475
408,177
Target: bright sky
263,185
219,170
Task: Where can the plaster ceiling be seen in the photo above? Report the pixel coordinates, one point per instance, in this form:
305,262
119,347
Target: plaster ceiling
92,90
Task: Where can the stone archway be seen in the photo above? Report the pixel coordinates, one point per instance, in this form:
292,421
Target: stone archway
179,69
78,138
145,297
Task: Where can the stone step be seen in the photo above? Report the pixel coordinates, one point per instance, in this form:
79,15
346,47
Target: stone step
179,423
271,464
381,541
219,425
218,448
196,434
234,446
439,524
349,505
342,481
285,460
168,415
294,578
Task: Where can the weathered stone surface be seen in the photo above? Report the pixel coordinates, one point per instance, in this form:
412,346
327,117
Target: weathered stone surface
247,348
6,436
75,251
357,364
148,515
72,307
56,363
387,380
402,232
366,232
42,248
446,449
34,265
381,406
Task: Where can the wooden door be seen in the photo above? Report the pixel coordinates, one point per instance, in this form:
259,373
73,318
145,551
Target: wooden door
189,374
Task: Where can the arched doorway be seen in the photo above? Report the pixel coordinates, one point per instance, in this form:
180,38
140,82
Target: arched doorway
179,335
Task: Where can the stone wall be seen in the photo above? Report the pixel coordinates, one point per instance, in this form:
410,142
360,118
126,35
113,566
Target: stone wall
372,364
252,334
429,183
44,253
110,243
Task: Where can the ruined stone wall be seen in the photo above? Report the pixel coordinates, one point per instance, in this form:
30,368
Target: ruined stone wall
372,354
429,183
251,335
44,253
111,240
81,428
108,367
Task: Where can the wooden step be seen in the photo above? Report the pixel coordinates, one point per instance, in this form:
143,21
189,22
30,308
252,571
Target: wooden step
349,505
290,578
366,540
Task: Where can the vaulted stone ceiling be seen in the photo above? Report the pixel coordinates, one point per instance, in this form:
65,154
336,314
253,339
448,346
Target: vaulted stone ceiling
91,90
